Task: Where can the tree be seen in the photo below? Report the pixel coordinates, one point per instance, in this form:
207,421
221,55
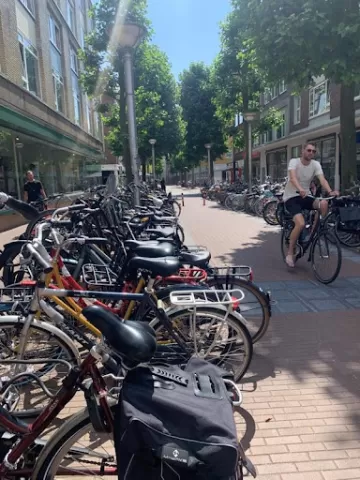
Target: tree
238,81
296,41
101,50
199,112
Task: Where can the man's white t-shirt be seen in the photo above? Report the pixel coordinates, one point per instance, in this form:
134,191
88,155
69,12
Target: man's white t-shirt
304,174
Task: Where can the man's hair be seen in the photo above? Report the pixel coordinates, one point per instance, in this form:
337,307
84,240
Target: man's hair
30,171
307,144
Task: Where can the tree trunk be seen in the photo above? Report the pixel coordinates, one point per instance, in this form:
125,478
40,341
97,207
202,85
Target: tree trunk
212,178
124,128
143,169
348,165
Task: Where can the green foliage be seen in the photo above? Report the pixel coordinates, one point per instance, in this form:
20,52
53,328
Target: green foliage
199,112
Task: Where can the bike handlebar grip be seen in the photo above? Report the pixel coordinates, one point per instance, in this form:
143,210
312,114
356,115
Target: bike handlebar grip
26,210
39,252
96,241
62,223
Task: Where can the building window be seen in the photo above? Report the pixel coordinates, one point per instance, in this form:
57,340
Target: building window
267,96
282,87
70,9
280,131
268,136
29,5
319,99
297,109
55,36
75,86
256,141
88,116
296,152
56,65
274,92
29,61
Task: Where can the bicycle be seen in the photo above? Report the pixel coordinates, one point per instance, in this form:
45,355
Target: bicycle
316,236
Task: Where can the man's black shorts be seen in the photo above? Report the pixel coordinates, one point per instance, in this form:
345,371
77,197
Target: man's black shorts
297,204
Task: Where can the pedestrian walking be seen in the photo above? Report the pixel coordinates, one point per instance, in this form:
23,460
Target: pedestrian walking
33,189
163,185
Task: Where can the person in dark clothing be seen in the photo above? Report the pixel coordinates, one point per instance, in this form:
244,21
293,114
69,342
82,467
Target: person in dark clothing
163,185
33,189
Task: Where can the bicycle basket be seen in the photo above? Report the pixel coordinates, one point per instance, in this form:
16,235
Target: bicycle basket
350,218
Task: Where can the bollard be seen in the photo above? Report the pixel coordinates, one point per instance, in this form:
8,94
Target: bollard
204,200
182,200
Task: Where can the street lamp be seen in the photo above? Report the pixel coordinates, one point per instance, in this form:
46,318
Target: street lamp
152,142
250,117
208,148
129,37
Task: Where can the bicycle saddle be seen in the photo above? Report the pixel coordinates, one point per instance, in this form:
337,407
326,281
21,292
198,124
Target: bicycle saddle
133,341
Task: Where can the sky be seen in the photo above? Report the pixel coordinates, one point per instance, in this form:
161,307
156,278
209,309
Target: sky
187,30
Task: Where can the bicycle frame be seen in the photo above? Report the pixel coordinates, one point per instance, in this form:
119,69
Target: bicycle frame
70,386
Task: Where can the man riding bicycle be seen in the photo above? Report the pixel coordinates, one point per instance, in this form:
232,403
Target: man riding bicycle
297,194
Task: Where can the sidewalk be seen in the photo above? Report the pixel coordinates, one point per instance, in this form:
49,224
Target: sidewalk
300,418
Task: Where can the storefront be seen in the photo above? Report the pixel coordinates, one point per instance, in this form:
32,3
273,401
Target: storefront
276,164
326,155
60,170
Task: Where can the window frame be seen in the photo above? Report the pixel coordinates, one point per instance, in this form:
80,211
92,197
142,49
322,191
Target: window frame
282,127
282,87
312,90
26,3
27,46
71,15
296,109
58,79
53,28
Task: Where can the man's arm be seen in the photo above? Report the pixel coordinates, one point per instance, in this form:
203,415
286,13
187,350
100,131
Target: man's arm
292,175
42,191
325,185
25,194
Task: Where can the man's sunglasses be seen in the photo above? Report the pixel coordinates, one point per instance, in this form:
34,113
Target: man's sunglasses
311,150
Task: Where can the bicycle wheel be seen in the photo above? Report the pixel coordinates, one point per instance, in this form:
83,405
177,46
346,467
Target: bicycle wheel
10,265
30,228
269,212
222,340
77,450
43,341
254,308
326,257
176,208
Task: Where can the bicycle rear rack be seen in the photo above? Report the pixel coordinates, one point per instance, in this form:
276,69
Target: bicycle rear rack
98,275
235,271
194,298
13,296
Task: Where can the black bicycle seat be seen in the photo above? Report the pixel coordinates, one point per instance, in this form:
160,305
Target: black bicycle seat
157,266
133,341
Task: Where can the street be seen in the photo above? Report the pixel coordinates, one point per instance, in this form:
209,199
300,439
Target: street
300,416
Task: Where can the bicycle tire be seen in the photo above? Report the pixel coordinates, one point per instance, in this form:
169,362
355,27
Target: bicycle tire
42,327
175,205
335,245
54,450
30,227
233,283
7,256
232,321
270,220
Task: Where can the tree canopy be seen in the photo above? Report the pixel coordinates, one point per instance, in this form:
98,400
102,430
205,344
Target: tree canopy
296,41
199,112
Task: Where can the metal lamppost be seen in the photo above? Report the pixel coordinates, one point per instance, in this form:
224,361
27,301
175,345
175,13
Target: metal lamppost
208,148
130,36
152,142
250,117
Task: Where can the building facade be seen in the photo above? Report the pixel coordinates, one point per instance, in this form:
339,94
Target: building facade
313,116
47,123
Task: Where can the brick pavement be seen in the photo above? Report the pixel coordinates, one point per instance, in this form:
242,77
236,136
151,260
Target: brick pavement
300,417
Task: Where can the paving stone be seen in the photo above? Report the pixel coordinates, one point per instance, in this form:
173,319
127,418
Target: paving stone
351,292
313,294
280,295
354,302
323,305
355,280
299,284
291,307
272,286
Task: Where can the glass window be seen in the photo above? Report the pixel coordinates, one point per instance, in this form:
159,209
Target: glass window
296,151
74,61
75,86
319,99
29,5
58,85
280,131
267,96
29,63
274,92
297,109
70,8
55,35
282,87
88,116
8,167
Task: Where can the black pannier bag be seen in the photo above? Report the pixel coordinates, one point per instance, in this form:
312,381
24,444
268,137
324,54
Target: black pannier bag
176,424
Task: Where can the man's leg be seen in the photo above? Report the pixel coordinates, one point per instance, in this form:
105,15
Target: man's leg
299,224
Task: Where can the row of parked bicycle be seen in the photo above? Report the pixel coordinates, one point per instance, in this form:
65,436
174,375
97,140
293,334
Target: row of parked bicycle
265,200
104,297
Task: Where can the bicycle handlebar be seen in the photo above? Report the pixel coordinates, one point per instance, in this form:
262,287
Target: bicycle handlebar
39,252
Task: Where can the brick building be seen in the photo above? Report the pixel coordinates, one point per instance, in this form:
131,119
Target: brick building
47,124
311,116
